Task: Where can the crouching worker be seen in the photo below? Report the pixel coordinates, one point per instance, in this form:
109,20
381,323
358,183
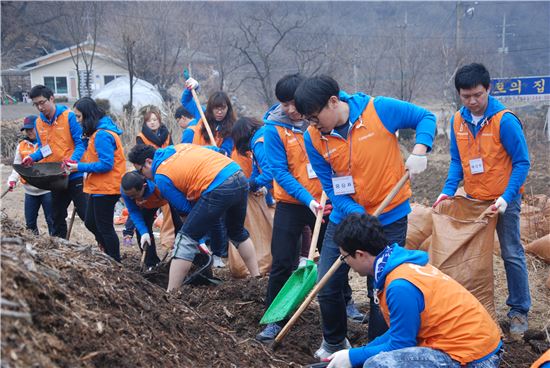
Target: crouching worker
206,185
433,320
143,199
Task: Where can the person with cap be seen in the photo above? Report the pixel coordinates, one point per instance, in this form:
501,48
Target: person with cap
34,197
59,139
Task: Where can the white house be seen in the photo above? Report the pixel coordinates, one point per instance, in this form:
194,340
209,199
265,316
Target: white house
58,71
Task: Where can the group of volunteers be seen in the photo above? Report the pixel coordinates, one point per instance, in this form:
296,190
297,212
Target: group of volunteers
316,138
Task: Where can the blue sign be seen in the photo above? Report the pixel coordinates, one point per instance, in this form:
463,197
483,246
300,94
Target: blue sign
532,88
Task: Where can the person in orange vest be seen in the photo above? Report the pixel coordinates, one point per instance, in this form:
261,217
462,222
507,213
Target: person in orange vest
59,138
434,321
34,197
104,163
489,152
353,148
153,131
208,187
543,361
185,119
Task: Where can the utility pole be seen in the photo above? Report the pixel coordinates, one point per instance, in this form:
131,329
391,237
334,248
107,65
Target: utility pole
503,49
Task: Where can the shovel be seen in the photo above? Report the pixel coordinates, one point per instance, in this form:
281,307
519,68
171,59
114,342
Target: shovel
201,276
5,192
143,256
299,283
199,107
335,266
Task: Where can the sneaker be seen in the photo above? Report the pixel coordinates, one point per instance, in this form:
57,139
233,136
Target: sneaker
269,333
353,313
327,349
127,241
217,262
518,324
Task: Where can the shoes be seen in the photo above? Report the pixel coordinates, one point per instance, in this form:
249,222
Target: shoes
518,324
269,333
353,313
127,241
217,262
327,349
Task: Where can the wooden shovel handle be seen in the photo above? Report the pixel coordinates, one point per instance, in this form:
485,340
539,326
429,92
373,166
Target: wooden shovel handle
317,228
199,107
71,222
335,266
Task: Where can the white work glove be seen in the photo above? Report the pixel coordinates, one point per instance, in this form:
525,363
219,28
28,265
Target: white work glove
191,84
416,164
500,205
340,359
145,239
314,206
72,166
441,197
260,192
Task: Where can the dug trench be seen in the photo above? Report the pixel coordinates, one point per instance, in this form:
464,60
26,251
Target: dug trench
66,304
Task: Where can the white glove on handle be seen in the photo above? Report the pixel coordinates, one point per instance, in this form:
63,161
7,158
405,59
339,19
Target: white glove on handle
416,164
191,84
315,206
340,359
145,239
500,205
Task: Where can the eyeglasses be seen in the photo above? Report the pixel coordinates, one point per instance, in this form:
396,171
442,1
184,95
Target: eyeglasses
343,257
40,103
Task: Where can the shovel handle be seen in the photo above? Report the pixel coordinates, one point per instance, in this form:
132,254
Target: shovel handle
71,222
335,265
199,107
143,255
5,192
317,228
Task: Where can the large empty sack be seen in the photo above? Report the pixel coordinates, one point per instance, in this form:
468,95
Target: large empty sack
419,226
540,248
259,223
462,245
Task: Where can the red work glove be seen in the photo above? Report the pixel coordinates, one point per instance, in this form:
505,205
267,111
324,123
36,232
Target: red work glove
11,184
441,197
27,161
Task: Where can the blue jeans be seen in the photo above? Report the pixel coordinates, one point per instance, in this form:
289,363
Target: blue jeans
331,297
513,256
32,205
229,199
420,357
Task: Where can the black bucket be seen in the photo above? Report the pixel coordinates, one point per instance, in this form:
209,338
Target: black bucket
47,176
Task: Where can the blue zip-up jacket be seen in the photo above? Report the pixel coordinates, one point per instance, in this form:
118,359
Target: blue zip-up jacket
276,154
171,193
134,210
76,133
395,115
264,178
405,303
105,146
188,134
185,138
511,137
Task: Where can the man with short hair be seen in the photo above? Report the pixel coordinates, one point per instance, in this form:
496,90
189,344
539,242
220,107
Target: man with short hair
59,138
434,321
489,152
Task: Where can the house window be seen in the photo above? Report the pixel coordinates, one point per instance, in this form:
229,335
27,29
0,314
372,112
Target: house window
110,78
57,84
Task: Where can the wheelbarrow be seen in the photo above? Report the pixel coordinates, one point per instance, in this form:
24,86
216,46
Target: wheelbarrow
47,176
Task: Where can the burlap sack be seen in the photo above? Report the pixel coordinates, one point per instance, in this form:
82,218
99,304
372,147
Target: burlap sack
540,248
419,226
167,235
548,280
462,245
259,223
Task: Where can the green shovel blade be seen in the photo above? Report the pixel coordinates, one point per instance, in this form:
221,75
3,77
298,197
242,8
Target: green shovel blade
292,294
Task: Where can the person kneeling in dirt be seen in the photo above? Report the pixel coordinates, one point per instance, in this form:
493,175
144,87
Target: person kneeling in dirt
206,185
143,199
433,320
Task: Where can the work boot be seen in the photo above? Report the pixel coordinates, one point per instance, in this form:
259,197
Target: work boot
269,333
518,324
327,349
353,313
217,262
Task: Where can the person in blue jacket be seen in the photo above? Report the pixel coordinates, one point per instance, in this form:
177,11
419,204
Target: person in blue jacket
142,199
185,119
59,138
489,152
352,146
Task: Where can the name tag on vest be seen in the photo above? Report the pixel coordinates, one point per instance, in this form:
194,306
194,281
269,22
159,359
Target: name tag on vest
343,185
476,166
46,150
310,172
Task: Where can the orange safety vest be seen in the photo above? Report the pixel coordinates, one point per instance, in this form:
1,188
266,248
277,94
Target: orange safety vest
453,320
245,162
107,182
376,161
544,358
192,168
58,136
25,149
155,200
297,166
150,143
497,164
200,140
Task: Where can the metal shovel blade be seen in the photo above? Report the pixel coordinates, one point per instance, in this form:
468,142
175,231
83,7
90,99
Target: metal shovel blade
47,176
